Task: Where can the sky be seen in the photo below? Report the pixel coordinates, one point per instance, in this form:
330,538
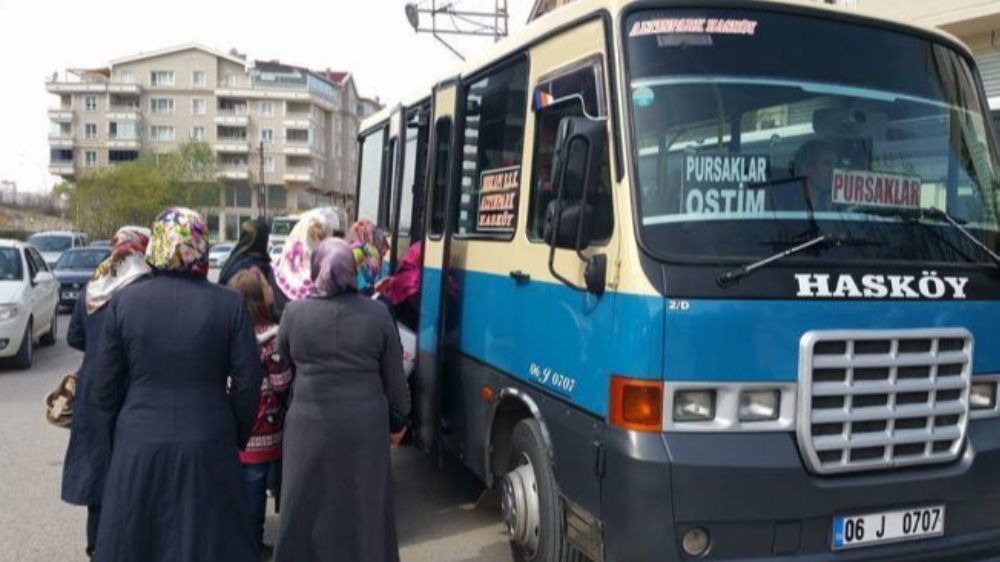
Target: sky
370,38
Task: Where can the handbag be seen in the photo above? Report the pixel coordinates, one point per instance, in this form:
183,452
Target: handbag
59,402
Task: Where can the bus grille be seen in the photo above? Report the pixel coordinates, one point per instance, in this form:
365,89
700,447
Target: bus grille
873,400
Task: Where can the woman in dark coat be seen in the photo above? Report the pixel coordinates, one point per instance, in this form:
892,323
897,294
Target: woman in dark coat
251,252
89,453
337,499
175,490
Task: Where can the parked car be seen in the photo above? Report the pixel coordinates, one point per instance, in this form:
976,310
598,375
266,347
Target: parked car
218,254
74,269
29,302
100,244
275,253
53,243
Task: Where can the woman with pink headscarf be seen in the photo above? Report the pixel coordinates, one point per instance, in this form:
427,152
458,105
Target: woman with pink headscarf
349,383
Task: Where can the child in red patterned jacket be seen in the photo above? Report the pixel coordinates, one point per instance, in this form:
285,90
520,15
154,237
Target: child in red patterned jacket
264,446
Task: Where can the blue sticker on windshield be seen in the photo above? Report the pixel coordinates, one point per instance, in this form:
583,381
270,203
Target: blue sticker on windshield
643,97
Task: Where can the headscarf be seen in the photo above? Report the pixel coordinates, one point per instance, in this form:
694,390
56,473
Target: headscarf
369,245
250,251
180,243
406,282
293,272
332,269
126,263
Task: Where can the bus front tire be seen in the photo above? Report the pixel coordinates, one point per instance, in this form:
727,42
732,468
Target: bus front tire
530,500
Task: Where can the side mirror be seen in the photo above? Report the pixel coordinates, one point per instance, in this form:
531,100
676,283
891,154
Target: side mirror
42,277
570,219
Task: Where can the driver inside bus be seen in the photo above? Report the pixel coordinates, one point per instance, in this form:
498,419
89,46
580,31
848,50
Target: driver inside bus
814,164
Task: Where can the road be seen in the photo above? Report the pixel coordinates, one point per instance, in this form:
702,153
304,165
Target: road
437,511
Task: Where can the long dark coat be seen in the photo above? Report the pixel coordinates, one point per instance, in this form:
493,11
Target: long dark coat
175,491
89,452
337,499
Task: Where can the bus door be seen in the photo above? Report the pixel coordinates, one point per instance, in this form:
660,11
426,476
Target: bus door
407,217
433,287
372,144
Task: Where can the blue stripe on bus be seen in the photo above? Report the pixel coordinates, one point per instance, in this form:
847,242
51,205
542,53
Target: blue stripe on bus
559,331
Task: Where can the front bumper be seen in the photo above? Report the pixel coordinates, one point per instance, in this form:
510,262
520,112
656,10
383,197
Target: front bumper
11,334
758,502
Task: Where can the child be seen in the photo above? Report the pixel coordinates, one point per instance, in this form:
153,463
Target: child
264,447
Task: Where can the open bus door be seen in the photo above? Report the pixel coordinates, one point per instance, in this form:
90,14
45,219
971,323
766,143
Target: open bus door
433,286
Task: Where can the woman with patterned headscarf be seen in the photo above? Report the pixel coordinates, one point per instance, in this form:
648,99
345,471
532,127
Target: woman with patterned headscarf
175,392
369,245
292,274
88,455
349,382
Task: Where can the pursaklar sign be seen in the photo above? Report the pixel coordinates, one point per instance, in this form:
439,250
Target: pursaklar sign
498,192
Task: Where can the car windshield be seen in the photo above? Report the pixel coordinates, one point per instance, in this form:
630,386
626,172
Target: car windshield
11,268
51,243
83,259
755,130
282,227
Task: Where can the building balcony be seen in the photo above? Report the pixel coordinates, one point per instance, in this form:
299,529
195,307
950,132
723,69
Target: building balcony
232,118
59,140
232,145
299,174
125,143
87,87
124,114
234,172
298,120
61,168
61,114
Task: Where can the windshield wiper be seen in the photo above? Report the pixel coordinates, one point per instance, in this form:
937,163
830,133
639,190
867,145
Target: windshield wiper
933,213
731,277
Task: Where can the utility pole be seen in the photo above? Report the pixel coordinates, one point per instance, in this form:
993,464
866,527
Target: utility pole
262,187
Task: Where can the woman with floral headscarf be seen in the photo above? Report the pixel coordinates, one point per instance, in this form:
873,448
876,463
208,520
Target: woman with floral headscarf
349,378
88,455
369,245
292,274
175,392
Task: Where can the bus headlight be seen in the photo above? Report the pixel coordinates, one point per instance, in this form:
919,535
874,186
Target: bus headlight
759,405
983,396
694,405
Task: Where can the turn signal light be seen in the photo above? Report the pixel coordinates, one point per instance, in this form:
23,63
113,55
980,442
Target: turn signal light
636,404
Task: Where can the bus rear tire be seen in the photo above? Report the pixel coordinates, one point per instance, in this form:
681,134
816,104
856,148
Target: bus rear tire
530,499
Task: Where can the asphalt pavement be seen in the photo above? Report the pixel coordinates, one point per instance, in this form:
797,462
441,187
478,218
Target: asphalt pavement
441,515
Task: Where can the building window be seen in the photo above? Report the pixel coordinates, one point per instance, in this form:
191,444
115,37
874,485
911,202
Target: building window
90,130
126,77
198,106
231,79
161,133
122,131
161,78
297,135
267,136
119,156
239,196
269,163
90,158
90,103
277,197
198,133
198,79
266,109
161,106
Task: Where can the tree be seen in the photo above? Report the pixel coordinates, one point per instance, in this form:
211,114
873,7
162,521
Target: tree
135,192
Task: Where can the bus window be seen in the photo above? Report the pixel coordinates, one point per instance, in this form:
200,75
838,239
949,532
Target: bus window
493,139
442,164
576,93
371,175
388,202
414,164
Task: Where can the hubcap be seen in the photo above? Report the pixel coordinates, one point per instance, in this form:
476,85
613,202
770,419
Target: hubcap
519,500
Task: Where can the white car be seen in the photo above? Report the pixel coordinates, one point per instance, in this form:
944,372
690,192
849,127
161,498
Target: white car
218,254
53,243
275,253
29,302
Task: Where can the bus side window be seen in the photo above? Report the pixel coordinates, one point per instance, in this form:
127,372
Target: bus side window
414,166
492,148
369,183
442,165
577,92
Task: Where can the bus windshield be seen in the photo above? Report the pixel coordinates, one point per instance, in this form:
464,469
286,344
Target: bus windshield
755,131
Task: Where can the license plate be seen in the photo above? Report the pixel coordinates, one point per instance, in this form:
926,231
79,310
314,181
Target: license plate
70,295
853,531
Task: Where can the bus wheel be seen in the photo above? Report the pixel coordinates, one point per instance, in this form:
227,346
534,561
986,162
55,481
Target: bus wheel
530,500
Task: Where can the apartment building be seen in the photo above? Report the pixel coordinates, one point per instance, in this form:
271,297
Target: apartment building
271,124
